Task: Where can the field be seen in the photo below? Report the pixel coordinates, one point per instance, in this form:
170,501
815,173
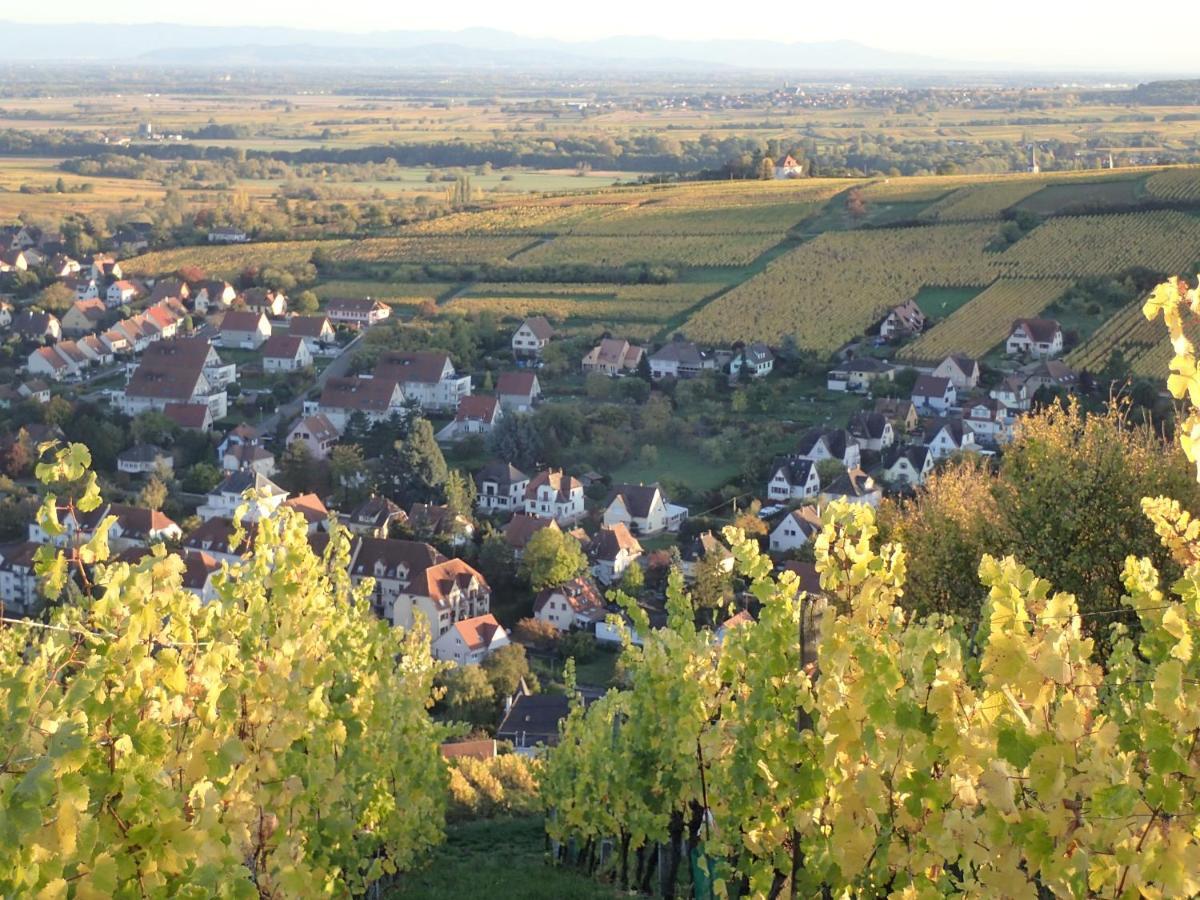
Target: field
983,201
985,321
430,249
227,261
1177,184
1057,199
690,250
832,288
682,465
939,302
1143,344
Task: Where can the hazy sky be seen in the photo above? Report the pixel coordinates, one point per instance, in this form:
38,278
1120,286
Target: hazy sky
1069,33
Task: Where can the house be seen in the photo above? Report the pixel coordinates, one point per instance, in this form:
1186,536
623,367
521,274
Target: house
285,353
212,295
49,363
789,168
754,361
521,528
316,332
83,317
86,287
224,500
34,325
132,237
227,235
613,550
795,529
819,444
95,350
412,578
170,289
902,321
576,604
216,538
532,721
553,495
176,371
312,509
1039,338
933,394
62,266
270,303
35,389
853,486
643,508
143,459
1050,374
244,329
500,487
375,517
477,414
945,437
1013,393
611,357
376,398
468,641
19,592
134,526
6,313
250,457
990,420
243,433
14,261
425,376
116,341
518,391
858,375
702,547
190,416
962,370
119,293
872,431
137,333
907,466
105,267
165,317
316,432
679,359
357,312
531,337
199,569
435,520
793,478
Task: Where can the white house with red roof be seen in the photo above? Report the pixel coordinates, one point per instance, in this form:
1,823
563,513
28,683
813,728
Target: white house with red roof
477,414
518,391
426,376
285,353
531,338
1039,338
357,312
469,641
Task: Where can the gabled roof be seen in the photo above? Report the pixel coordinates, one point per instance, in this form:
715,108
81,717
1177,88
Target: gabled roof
614,352
869,425
188,415
376,511
965,364
310,506
930,386
355,304
757,352
521,527
540,326
143,453
216,535
534,718
427,572
682,352
853,483
282,346
135,521
953,427
836,441
318,426
581,594
237,483
917,455
309,326
423,366
519,384
564,485
366,394
242,320
796,469
806,519
477,407
637,498
864,364
50,357
1041,331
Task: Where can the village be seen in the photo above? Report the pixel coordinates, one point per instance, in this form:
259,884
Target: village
193,357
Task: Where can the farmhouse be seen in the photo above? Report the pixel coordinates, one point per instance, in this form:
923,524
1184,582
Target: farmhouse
902,321
357,312
500,487
612,357
518,391
793,478
933,393
1039,338
426,376
531,337
244,329
470,640
285,353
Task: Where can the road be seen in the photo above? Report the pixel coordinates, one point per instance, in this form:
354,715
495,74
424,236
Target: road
291,409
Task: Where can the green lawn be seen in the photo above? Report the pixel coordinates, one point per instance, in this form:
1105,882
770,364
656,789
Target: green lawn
677,464
939,302
496,858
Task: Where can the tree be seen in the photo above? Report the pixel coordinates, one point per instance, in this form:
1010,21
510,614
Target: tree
152,427
766,170
516,439
470,696
239,722
298,470
348,471
459,493
829,470
750,522
713,585
551,558
153,494
305,302
57,412
201,478
506,668
56,298
633,579
420,468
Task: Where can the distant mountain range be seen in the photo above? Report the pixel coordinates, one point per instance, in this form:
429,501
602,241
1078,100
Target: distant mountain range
230,46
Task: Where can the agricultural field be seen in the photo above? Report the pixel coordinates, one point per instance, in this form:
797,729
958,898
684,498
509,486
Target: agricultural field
1175,184
228,261
659,219
940,302
835,286
513,218
1118,191
399,294
1078,246
690,250
430,249
985,321
982,201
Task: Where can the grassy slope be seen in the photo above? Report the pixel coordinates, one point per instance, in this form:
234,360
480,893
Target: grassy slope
496,858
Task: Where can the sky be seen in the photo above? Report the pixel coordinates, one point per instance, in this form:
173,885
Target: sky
1070,33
